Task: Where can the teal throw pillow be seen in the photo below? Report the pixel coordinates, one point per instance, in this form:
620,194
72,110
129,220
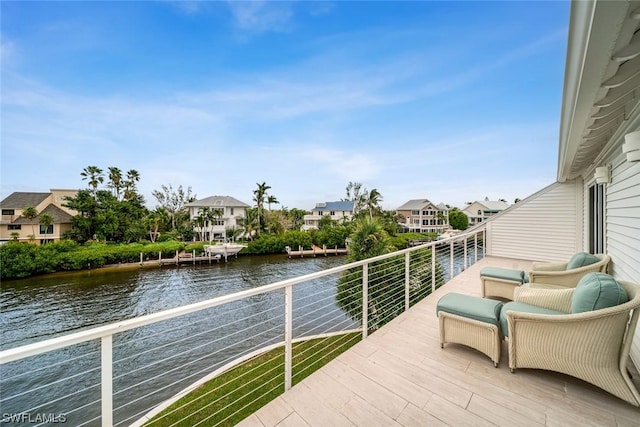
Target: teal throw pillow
596,291
581,259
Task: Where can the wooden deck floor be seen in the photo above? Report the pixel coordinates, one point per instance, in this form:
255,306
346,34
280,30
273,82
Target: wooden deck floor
399,376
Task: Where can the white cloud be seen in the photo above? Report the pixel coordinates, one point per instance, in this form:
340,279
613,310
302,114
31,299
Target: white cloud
261,16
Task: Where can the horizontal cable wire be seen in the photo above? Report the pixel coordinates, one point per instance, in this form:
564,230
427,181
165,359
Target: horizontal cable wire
225,384
33,409
300,371
206,319
199,372
79,374
195,348
208,331
49,366
189,363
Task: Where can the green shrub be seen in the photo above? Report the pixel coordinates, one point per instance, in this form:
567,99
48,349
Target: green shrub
272,244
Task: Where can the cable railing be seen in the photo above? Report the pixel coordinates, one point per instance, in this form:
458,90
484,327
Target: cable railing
208,363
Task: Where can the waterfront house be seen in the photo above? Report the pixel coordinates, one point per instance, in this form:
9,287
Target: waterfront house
479,211
422,216
14,226
337,211
232,212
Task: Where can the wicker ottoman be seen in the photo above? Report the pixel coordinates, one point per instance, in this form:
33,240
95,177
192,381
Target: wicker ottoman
471,321
500,282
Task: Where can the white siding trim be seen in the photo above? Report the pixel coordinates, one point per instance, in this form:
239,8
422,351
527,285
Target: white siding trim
542,227
623,224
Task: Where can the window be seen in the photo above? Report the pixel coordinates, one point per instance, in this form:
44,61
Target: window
333,213
46,229
415,212
425,222
231,210
8,212
416,221
14,227
220,222
479,212
596,219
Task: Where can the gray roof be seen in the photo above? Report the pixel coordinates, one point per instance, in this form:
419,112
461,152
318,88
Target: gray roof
415,204
21,200
59,216
346,205
494,205
218,201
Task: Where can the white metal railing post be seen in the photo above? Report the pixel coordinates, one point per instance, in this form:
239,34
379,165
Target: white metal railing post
475,247
106,361
365,300
484,242
451,271
465,254
433,268
288,338
407,270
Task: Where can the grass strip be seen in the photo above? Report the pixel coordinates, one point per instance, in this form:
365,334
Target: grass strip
241,391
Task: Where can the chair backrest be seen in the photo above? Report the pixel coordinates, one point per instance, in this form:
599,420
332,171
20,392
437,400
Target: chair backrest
633,292
600,265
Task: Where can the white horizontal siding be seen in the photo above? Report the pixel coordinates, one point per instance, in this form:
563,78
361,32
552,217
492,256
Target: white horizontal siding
623,225
542,227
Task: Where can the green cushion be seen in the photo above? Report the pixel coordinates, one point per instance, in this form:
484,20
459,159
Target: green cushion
503,273
520,306
482,309
596,291
581,259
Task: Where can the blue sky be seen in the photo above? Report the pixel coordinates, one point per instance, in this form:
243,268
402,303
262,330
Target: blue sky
450,101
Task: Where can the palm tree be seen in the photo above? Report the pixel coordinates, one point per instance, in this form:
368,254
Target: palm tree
94,175
259,196
372,201
46,219
272,200
133,176
201,221
115,181
155,220
31,213
250,223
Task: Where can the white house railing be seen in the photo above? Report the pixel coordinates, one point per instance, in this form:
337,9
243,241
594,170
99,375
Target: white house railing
119,373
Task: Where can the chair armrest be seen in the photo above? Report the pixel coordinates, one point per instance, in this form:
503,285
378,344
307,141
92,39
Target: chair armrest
559,342
549,266
567,278
552,299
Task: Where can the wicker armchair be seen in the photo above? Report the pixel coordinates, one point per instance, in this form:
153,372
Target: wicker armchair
556,275
593,346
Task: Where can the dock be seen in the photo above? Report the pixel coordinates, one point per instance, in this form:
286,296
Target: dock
315,251
187,258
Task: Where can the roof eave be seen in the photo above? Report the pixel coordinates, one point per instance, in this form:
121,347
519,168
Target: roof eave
591,41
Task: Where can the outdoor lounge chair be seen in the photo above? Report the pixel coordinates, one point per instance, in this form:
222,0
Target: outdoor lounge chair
591,345
501,282
566,274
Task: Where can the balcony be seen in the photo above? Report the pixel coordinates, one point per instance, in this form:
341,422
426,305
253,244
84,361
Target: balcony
399,375
130,372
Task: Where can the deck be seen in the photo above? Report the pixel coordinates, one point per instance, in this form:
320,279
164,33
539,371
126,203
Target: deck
399,376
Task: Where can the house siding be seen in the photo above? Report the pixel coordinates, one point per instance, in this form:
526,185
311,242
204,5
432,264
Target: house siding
623,225
541,227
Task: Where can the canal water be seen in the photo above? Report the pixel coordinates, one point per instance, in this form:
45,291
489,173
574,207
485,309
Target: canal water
154,362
